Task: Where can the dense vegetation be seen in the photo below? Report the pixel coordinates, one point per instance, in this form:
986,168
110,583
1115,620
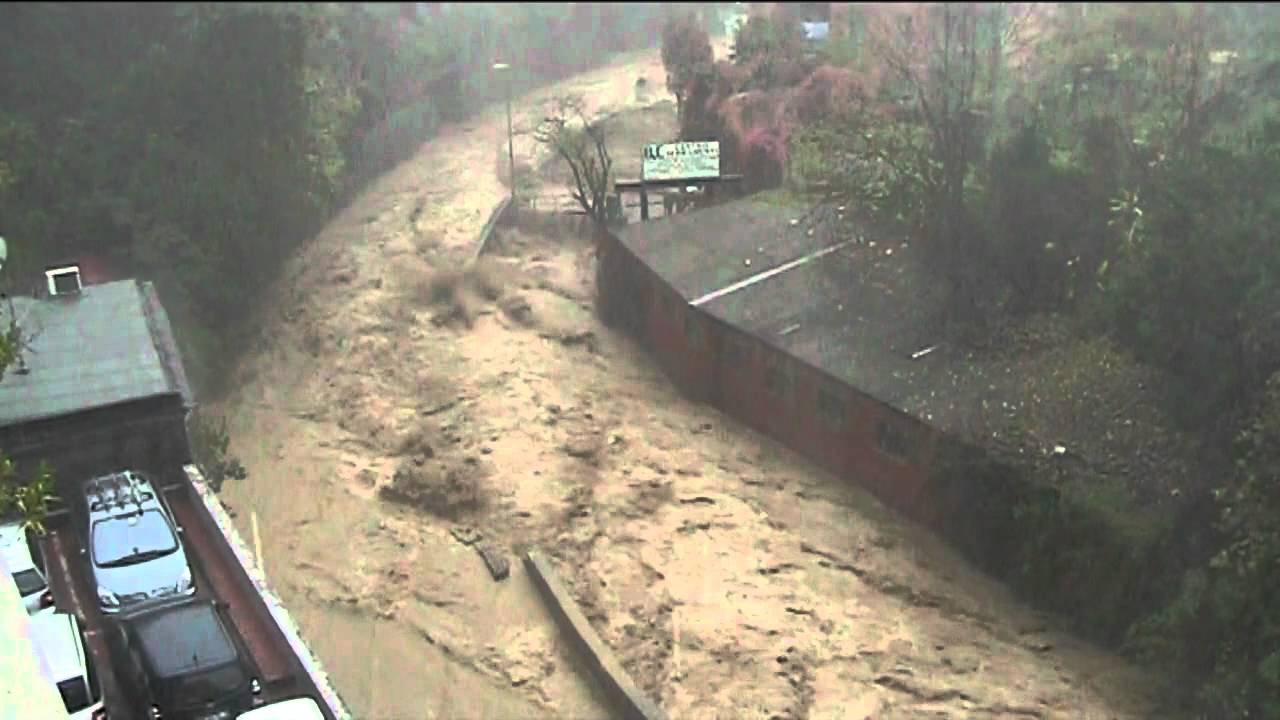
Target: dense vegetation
197,144
1113,166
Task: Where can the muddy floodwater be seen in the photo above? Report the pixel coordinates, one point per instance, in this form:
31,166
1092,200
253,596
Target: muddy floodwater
732,579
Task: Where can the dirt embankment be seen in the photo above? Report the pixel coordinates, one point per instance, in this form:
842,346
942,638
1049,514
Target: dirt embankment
392,401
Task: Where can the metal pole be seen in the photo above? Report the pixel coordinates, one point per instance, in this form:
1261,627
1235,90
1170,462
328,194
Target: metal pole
511,151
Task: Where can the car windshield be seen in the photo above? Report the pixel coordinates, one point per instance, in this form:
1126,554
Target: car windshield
29,582
208,687
132,538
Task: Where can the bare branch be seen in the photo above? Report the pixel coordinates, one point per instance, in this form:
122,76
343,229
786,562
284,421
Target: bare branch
584,149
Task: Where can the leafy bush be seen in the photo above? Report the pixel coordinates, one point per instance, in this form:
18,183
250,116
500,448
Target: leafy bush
210,443
28,499
1224,625
1193,288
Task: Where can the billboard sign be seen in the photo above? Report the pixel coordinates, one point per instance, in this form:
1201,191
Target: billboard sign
681,161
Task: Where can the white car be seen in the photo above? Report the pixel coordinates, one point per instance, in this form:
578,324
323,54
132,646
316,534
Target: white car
299,708
22,556
65,659
132,542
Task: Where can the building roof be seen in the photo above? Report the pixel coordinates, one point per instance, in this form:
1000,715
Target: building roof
749,236
851,300
108,345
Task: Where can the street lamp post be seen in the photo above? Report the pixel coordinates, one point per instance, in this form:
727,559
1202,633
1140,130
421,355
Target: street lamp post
511,152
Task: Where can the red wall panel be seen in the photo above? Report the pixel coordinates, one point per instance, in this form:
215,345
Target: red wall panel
717,363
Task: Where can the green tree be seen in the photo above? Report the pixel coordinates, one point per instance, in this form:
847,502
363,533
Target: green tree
686,56
28,498
1203,309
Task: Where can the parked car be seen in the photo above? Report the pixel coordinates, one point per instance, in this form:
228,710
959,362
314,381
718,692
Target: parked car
59,641
179,659
299,708
133,544
25,561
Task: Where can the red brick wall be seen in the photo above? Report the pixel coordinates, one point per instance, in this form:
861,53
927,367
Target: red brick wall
846,441
713,362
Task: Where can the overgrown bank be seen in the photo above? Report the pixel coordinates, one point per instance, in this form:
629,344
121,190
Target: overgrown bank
199,144
1120,180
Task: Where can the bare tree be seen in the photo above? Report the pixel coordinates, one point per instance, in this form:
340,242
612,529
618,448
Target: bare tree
582,145
947,58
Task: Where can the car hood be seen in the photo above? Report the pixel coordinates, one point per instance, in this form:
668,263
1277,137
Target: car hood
145,580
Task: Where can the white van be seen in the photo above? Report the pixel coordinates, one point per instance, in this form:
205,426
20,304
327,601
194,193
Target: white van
299,708
21,555
65,660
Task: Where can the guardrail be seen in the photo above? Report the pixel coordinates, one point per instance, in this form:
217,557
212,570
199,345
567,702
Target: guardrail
486,233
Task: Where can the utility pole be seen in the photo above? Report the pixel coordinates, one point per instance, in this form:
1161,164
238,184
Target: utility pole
511,152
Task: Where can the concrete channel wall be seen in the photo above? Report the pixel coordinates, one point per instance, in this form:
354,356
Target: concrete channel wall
618,686
310,678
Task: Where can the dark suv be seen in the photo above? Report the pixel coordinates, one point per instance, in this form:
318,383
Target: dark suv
179,659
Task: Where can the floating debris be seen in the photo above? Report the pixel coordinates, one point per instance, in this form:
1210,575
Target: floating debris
466,535
921,353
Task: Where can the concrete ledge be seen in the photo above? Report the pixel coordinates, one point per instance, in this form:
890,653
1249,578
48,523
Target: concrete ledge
617,684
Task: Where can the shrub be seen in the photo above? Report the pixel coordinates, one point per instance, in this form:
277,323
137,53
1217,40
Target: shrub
210,444
27,498
1223,628
1192,287
1041,223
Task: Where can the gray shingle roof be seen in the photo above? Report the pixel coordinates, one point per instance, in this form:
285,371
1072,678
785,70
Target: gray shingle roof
806,296
860,313
110,345
703,251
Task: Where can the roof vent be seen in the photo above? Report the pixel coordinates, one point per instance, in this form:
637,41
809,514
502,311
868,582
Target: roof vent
63,280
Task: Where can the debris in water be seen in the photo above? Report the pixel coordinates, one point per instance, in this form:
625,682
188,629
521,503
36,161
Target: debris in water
921,353
498,565
466,534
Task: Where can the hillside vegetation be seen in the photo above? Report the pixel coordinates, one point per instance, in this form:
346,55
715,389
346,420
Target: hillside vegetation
198,144
1110,172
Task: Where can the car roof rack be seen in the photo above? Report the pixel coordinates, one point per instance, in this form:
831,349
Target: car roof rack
116,491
